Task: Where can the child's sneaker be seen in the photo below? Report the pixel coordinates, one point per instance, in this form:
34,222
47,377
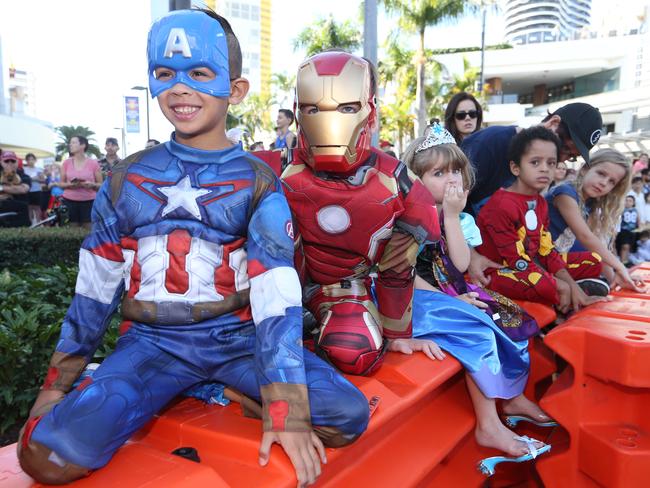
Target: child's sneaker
594,287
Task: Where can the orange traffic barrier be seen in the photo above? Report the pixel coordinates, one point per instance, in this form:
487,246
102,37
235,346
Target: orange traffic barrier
602,397
423,414
542,363
421,434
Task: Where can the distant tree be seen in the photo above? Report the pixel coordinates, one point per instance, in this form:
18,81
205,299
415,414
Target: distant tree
253,114
415,16
66,132
328,34
284,85
397,120
397,70
465,82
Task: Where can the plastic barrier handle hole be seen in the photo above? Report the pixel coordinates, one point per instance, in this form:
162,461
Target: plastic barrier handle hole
626,443
637,332
634,338
629,433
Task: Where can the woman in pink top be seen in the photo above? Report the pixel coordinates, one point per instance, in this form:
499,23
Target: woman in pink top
81,177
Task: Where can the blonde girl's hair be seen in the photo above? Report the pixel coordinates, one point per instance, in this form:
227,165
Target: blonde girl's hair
606,211
452,155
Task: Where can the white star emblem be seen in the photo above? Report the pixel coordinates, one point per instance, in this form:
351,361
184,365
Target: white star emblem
183,195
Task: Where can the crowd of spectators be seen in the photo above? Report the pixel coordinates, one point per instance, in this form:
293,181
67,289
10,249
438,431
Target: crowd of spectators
28,192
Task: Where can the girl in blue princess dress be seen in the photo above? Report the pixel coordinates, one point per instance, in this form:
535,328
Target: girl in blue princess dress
485,331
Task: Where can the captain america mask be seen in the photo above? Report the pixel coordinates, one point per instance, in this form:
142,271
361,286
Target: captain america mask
185,40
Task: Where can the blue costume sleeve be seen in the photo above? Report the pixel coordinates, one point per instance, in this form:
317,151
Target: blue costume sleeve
276,300
98,290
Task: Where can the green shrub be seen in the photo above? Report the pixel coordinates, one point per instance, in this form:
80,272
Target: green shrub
34,301
46,245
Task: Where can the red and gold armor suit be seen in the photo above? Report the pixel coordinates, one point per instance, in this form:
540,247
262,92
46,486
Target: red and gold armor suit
360,215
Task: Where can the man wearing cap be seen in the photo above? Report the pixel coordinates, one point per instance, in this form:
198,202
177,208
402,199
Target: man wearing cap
578,125
385,145
111,158
14,187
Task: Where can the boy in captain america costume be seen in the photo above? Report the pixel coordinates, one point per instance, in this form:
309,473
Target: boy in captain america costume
194,236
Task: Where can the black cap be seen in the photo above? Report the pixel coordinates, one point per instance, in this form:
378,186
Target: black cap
585,125
111,140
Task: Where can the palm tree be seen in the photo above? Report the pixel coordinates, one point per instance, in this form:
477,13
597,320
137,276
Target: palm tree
284,85
328,34
66,132
397,120
253,113
415,16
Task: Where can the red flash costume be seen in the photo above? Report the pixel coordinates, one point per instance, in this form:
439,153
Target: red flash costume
359,213
514,228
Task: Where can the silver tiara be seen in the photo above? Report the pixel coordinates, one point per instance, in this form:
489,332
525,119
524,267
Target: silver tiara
435,135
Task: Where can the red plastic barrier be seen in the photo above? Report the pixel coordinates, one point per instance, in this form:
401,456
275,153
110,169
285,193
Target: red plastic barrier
602,397
423,414
542,363
421,434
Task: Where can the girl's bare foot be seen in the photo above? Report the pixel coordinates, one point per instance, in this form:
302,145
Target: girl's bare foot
523,406
498,436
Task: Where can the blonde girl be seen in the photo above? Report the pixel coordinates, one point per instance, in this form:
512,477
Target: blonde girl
584,215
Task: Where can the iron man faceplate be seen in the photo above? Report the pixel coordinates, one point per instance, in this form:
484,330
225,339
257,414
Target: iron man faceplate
330,86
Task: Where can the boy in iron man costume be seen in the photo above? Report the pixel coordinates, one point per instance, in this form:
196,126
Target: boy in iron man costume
359,213
194,237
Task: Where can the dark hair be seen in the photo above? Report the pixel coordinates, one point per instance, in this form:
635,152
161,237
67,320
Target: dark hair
636,179
645,171
82,140
234,50
255,145
450,124
520,144
644,233
30,155
288,114
630,196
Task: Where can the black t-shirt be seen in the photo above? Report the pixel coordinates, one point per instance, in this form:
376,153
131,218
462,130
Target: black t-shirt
487,151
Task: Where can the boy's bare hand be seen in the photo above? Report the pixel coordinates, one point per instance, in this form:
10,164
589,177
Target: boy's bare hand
564,292
472,298
305,450
408,346
580,299
45,400
477,266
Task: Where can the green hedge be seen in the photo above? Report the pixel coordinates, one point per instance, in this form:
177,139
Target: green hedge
47,246
34,301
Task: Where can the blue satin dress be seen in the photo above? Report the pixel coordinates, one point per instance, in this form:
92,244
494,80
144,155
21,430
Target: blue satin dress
498,364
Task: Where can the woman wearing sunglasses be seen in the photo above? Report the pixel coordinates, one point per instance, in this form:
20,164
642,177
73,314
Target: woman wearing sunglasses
463,116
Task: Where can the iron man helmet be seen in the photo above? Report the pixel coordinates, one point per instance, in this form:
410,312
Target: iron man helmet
335,110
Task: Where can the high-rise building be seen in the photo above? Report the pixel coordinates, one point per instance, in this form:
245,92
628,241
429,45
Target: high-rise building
20,130
251,22
532,21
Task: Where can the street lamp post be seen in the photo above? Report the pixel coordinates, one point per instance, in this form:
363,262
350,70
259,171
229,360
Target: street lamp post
138,87
121,129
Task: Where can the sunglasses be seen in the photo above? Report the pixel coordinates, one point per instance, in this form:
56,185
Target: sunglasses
12,161
461,115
